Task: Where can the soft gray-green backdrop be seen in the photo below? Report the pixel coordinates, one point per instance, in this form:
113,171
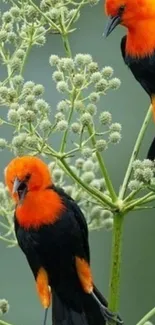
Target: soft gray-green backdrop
128,106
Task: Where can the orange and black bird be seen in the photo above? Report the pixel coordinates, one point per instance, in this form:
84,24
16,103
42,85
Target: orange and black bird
138,45
52,232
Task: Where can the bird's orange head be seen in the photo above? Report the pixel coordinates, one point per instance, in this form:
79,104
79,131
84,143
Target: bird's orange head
128,13
26,174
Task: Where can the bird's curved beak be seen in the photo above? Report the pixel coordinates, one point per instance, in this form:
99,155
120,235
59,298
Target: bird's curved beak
16,185
111,24
19,187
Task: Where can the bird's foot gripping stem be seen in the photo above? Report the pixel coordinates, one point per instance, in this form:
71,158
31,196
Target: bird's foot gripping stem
108,315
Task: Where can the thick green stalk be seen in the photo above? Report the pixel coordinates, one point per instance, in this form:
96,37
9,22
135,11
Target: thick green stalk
103,168
150,314
135,152
116,263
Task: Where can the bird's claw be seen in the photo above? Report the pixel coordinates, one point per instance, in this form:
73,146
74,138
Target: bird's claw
110,316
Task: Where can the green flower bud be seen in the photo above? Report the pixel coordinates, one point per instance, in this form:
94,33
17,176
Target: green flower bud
6,17
2,199
21,112
88,177
88,165
79,59
137,164
115,127
30,116
78,80
102,183
101,145
62,125
3,36
28,86
106,214
16,63
41,105
138,174
62,106
41,40
15,12
45,125
107,72
147,174
54,13
57,174
95,183
108,224
3,143
94,97
95,212
101,85
68,64
3,92
92,67
79,106
147,163
92,109
4,306
62,87
11,37
20,55
115,137
54,60
59,116
17,80
79,163
14,106
19,140
30,100
58,76
9,27
38,90
134,185
13,116
87,152
12,94
114,83
95,77
87,59
105,118
86,119
76,127
31,141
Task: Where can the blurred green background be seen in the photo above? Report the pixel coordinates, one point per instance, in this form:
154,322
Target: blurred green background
128,106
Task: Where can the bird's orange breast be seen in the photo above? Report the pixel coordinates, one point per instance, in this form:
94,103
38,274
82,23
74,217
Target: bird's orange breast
39,208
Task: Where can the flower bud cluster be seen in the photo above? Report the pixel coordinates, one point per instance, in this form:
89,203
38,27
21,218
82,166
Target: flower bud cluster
143,174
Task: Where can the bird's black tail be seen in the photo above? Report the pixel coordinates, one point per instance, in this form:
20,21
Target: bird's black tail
94,311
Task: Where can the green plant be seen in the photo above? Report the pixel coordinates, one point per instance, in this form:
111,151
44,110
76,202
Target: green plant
78,165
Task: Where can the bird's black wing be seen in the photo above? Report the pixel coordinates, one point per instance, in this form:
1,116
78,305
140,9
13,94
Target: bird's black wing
79,217
123,44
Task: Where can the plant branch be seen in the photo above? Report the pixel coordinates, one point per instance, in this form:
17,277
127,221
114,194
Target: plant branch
150,314
135,152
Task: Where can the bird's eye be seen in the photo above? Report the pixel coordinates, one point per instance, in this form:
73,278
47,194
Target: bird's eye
27,177
121,10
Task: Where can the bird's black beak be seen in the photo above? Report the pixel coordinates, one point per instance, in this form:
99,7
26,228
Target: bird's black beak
111,24
20,187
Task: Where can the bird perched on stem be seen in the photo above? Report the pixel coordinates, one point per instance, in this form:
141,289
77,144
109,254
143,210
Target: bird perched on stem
138,46
52,232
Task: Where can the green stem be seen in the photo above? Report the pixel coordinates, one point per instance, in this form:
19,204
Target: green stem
100,197
66,45
135,152
150,314
63,144
116,263
103,167
25,57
